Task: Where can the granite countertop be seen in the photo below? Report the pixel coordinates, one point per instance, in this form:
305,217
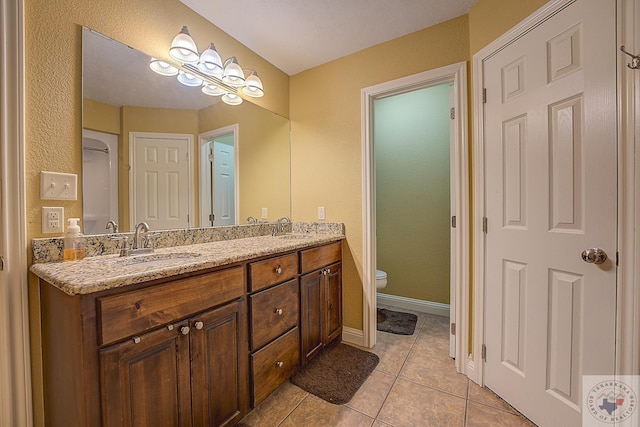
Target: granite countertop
99,273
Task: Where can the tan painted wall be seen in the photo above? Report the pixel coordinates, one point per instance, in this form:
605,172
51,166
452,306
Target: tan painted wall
263,149
326,133
100,117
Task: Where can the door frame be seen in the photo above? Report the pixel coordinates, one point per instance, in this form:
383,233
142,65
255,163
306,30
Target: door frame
628,283
15,361
456,74
132,159
205,169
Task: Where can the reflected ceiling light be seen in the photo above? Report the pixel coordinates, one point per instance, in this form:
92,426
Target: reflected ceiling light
212,90
163,68
189,79
217,77
231,99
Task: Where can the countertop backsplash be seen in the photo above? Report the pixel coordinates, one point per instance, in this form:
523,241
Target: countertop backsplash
50,249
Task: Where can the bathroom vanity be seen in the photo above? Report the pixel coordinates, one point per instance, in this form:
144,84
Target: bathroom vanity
193,335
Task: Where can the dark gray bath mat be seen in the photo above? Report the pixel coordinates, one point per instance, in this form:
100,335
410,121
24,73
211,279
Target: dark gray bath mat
336,373
396,322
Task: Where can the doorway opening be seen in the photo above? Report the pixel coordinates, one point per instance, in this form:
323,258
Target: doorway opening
455,76
219,177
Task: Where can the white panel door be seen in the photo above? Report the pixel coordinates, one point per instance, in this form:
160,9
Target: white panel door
550,138
223,184
161,180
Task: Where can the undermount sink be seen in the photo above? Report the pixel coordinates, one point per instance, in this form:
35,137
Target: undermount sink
157,259
295,236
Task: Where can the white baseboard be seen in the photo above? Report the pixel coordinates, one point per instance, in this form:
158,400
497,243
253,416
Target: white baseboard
353,336
414,304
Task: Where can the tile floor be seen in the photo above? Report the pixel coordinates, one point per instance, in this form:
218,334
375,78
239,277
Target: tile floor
415,384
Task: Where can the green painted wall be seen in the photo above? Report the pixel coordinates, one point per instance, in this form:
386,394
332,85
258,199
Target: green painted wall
411,143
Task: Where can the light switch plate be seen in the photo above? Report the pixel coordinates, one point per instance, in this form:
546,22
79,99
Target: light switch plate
321,215
58,186
264,213
52,220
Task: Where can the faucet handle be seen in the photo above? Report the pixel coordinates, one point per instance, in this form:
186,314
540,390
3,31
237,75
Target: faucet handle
147,239
124,250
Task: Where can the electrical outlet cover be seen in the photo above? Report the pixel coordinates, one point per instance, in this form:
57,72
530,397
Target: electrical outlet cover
52,220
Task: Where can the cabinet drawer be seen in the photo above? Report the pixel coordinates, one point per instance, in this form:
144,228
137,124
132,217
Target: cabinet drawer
129,313
274,364
273,311
271,271
315,258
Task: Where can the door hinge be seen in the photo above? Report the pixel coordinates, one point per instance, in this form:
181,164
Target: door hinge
211,158
453,221
484,352
452,113
484,95
1,263
617,259
453,329
212,217
485,226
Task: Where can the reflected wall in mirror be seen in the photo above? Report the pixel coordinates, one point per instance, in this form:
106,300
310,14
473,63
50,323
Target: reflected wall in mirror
158,162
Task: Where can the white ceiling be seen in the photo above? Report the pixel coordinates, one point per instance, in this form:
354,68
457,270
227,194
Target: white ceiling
295,35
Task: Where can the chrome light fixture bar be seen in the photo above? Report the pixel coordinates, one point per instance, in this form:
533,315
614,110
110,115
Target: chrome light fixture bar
208,71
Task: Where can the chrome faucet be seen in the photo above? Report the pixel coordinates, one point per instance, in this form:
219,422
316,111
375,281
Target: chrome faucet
281,223
252,220
141,229
112,224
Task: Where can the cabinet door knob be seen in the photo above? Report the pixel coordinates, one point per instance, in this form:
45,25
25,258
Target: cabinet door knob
278,269
328,271
136,340
279,364
199,325
184,330
279,311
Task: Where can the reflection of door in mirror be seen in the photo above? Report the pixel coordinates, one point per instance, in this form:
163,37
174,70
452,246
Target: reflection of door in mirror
161,189
99,180
219,172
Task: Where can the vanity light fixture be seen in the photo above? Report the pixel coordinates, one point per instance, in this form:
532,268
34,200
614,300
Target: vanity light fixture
216,77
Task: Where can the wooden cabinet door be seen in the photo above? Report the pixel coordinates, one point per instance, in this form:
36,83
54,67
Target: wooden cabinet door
219,365
312,295
146,381
332,303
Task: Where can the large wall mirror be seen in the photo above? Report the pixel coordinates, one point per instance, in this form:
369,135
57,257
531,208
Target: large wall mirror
155,150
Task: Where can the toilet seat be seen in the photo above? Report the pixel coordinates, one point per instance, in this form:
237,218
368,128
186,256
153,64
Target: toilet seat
381,274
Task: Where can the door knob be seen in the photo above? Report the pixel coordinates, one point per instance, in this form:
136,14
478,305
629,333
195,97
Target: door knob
594,256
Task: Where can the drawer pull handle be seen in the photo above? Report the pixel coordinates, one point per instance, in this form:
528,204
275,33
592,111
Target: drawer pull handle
279,364
136,340
199,325
278,269
185,330
279,311
170,327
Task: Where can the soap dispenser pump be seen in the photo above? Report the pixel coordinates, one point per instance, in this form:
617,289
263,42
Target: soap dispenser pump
73,245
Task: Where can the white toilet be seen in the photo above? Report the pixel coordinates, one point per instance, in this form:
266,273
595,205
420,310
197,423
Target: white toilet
381,279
